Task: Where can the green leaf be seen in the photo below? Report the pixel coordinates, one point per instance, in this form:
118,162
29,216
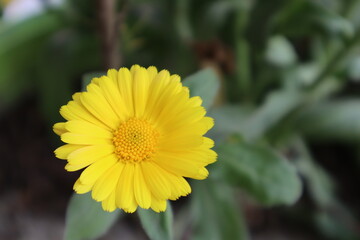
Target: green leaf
20,45
204,83
353,69
353,13
280,52
85,218
216,15
337,223
276,106
261,172
73,56
335,24
315,18
14,35
302,75
216,214
319,183
228,119
158,226
337,119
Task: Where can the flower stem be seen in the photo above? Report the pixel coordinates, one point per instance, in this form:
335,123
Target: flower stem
108,33
331,66
242,52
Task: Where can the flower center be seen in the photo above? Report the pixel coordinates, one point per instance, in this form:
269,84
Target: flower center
135,140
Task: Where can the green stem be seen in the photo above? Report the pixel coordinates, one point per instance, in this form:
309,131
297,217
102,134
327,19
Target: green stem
182,20
331,66
242,52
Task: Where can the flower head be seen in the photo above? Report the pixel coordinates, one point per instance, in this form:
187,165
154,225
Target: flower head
137,133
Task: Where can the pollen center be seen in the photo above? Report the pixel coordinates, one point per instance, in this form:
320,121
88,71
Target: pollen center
135,140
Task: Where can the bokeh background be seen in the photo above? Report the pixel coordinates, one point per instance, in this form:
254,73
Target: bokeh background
288,75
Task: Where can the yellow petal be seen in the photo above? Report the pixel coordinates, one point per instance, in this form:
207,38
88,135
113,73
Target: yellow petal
64,151
73,168
156,88
156,181
172,106
208,143
152,71
202,174
199,128
179,166
141,190
168,92
199,156
134,68
176,143
99,107
132,208
76,111
125,198
203,156
185,117
81,139
158,205
179,186
87,128
81,188
109,203
175,85
76,96
110,91
59,128
195,101
113,75
140,90
89,154
95,81
107,182
125,88
95,170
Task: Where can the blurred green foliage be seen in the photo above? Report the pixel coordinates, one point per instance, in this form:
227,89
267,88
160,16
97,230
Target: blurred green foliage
158,226
85,219
284,75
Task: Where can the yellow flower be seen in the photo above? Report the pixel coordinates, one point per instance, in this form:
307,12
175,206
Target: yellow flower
138,134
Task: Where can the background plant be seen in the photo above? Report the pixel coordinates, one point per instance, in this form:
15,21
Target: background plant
281,81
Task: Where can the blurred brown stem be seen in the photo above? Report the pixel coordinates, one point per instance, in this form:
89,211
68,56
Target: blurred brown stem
108,33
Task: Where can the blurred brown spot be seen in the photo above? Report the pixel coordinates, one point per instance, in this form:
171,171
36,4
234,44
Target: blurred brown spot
215,53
